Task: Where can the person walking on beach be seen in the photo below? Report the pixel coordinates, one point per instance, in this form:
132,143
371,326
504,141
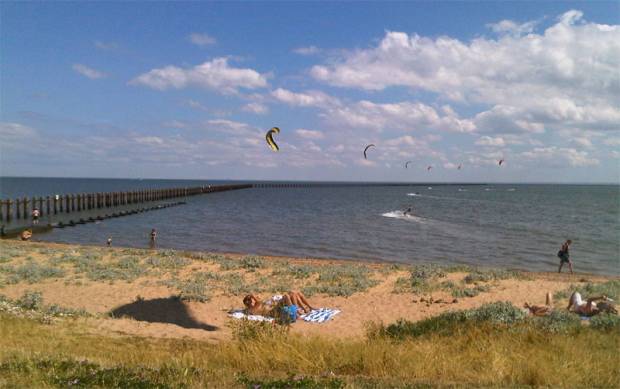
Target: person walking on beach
35,216
565,257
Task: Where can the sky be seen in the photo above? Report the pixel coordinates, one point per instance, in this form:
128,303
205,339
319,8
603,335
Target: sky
188,90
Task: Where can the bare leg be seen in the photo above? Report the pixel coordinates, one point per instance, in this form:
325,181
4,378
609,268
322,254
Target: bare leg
549,299
570,267
299,299
303,300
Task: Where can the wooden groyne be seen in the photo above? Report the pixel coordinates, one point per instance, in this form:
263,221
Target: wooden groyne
20,209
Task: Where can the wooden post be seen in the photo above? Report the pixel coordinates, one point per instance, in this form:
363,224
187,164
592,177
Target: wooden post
41,206
1,215
72,202
8,210
47,202
67,203
17,213
25,207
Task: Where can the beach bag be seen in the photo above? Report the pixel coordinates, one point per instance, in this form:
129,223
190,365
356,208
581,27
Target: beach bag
560,254
288,314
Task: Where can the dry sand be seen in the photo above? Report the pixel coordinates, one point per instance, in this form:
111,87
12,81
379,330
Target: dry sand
157,313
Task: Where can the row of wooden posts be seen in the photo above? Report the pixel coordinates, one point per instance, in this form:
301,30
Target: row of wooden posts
53,205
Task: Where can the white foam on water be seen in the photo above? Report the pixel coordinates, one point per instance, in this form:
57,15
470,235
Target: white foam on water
401,215
462,190
429,188
414,194
511,190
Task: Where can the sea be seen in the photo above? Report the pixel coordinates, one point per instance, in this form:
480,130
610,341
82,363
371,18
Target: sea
517,226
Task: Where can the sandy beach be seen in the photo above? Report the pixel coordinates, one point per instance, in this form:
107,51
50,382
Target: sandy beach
145,307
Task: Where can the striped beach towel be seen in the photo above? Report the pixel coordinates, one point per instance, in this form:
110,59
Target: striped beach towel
320,315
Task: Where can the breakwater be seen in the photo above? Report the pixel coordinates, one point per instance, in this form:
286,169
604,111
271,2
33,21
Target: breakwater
18,214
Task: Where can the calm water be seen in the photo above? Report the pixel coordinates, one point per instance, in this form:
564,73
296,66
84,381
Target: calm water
516,226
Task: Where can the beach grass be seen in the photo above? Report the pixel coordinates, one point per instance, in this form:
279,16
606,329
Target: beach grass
484,354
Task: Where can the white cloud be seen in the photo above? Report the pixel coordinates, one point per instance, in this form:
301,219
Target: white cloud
559,157
201,39
88,72
490,141
309,50
257,108
408,116
582,141
566,75
106,45
612,141
216,75
309,134
15,131
306,99
510,27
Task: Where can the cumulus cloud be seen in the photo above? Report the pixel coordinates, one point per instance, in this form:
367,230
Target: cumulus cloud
201,39
490,141
106,45
257,108
408,116
216,75
612,141
559,157
511,27
309,50
88,72
309,134
305,99
564,76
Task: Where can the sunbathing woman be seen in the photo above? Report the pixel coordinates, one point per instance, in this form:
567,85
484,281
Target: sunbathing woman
589,307
254,306
541,310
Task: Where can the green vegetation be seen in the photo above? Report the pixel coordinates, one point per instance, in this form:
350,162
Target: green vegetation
30,305
486,275
30,272
610,289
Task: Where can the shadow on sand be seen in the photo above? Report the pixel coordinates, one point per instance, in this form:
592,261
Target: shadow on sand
161,310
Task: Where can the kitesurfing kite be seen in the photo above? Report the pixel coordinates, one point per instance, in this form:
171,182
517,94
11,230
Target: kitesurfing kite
407,164
366,149
500,162
429,168
269,138
459,168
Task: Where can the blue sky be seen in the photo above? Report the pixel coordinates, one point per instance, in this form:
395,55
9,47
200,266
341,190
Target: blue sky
188,90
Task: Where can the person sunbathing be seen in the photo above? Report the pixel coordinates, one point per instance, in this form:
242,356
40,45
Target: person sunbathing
589,307
541,310
270,307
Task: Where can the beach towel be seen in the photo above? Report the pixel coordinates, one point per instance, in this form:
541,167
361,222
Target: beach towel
320,315
239,314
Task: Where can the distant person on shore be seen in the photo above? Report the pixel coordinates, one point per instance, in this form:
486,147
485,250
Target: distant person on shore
25,235
35,216
565,256
109,241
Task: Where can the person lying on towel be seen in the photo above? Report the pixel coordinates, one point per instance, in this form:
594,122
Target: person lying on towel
282,307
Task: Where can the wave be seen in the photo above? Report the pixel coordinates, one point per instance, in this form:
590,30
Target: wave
462,190
511,190
414,194
401,215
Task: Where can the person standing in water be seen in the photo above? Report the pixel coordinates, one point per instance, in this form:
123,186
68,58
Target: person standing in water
565,257
35,215
153,237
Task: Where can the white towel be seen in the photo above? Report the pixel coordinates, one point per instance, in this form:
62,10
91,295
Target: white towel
239,314
320,315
